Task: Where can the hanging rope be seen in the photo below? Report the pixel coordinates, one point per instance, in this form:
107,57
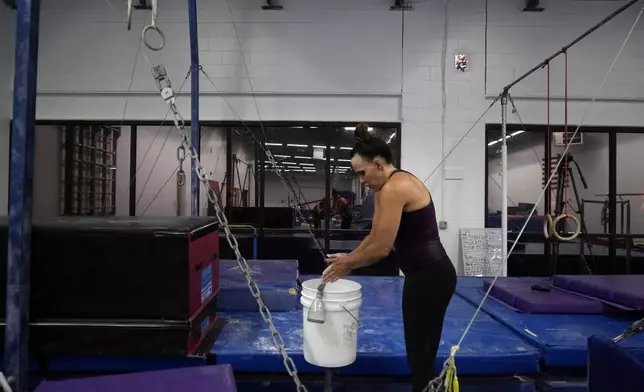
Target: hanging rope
551,224
447,380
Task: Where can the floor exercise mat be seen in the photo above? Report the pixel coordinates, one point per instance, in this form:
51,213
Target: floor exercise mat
560,338
533,296
625,291
379,384
612,369
489,348
194,379
277,281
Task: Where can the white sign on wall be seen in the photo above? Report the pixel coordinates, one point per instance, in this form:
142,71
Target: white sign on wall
481,252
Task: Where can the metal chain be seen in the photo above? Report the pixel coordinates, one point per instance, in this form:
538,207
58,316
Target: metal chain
181,174
295,200
165,88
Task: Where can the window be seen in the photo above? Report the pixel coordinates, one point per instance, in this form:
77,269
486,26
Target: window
88,170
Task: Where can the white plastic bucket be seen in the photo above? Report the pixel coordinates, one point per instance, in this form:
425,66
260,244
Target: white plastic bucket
334,343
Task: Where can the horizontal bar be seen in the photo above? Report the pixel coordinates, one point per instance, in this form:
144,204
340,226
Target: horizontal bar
57,93
622,194
570,98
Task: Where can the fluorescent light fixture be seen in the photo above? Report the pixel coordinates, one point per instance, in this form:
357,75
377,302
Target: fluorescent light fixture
274,144
323,147
297,145
310,170
297,127
290,163
343,167
354,128
391,138
281,156
346,148
306,164
506,138
344,160
299,157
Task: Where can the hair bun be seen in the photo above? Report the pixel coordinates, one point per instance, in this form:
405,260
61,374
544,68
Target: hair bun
362,133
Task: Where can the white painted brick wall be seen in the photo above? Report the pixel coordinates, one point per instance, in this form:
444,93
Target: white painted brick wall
344,61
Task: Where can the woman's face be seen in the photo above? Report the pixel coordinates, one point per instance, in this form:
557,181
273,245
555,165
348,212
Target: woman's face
369,172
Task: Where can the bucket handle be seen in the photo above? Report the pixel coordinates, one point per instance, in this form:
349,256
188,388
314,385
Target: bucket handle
352,316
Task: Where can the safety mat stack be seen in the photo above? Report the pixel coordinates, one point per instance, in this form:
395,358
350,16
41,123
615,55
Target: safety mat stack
122,286
568,294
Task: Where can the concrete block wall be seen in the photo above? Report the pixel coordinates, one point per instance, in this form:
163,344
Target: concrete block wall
350,61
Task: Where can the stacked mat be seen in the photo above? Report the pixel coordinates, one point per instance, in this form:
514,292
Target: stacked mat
569,294
535,295
621,291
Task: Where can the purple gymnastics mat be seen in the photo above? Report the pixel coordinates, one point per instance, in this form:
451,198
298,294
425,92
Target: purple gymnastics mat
520,295
624,291
194,379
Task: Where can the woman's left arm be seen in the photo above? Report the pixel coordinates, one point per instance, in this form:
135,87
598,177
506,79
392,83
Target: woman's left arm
379,243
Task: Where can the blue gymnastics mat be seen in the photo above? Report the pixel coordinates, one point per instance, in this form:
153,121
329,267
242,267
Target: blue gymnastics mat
489,348
277,280
562,339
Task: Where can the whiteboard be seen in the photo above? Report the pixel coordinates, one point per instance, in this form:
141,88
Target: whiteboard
478,250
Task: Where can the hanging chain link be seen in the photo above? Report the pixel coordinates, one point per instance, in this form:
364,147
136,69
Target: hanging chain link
181,174
165,87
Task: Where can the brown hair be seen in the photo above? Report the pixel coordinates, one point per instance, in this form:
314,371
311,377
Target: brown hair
369,146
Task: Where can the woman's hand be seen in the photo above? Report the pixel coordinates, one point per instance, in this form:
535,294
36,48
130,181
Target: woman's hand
339,267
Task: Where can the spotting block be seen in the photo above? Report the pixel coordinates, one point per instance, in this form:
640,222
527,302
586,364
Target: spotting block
194,379
623,291
610,368
532,296
277,281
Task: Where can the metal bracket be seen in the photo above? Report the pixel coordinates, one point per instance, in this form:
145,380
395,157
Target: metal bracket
142,5
399,5
270,6
532,6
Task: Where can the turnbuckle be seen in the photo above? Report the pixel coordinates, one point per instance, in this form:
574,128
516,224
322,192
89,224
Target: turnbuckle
163,82
634,328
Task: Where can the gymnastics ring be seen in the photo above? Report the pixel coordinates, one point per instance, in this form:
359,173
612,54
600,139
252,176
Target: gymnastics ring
145,39
549,227
547,224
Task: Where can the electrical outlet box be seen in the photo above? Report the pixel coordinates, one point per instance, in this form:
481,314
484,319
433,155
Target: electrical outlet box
442,225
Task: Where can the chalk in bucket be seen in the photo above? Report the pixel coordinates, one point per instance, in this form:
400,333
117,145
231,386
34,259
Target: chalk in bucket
334,342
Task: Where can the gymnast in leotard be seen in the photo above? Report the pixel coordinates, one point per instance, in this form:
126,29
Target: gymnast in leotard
404,218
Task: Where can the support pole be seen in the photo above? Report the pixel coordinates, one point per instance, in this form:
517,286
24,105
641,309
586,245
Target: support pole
504,186
194,102
16,363
328,380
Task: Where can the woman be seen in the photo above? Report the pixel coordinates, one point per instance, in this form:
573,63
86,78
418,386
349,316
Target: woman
404,217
